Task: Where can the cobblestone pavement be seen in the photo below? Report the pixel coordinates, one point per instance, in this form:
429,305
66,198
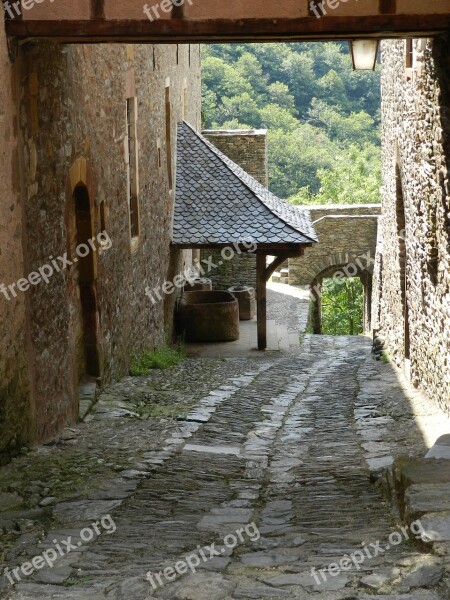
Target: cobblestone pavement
181,460
288,305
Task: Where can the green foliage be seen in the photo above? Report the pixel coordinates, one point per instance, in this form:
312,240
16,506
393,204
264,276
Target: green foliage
161,358
342,306
354,178
323,118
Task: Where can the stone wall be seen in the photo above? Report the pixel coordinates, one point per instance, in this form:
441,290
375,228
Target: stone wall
346,234
248,149
414,319
15,409
245,147
239,270
73,133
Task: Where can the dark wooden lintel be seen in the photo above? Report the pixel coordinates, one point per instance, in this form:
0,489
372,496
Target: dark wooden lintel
213,30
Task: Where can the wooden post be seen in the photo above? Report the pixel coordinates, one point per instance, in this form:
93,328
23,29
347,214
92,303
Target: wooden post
316,289
261,300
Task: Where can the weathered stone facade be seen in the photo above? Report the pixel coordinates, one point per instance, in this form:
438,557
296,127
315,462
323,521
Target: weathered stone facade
412,291
346,234
248,149
15,405
75,145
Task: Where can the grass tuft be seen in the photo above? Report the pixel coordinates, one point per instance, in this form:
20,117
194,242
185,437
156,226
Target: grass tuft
161,358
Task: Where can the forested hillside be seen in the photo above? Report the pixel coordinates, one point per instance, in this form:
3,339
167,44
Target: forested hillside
323,118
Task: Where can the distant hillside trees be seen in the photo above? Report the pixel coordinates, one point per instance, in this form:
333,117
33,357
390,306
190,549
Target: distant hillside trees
323,118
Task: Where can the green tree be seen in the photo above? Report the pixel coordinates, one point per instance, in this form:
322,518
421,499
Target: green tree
296,156
250,69
315,108
342,306
280,95
242,108
354,178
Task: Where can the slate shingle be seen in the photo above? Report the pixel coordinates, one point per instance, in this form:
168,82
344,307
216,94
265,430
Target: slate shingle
218,202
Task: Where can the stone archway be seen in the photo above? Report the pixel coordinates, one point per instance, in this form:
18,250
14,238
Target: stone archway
352,267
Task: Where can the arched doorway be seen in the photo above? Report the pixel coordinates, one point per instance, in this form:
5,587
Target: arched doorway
402,257
84,259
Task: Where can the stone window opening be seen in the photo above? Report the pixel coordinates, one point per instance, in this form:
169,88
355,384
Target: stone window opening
414,53
185,100
158,148
432,249
169,136
409,57
102,216
132,169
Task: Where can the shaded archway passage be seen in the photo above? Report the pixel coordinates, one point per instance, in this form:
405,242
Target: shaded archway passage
345,270
86,276
235,21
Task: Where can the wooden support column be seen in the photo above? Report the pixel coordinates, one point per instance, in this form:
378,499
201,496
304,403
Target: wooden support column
316,290
263,274
261,292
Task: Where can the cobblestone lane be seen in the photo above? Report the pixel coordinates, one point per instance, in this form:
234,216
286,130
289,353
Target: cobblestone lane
277,445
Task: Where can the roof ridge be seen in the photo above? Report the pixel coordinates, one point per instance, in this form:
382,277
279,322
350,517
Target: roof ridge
225,160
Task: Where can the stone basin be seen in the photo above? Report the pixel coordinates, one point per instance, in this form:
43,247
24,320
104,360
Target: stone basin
209,316
247,301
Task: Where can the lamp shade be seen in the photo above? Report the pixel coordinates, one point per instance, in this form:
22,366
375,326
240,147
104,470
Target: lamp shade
364,54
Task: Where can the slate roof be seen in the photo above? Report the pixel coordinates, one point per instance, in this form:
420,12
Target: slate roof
217,202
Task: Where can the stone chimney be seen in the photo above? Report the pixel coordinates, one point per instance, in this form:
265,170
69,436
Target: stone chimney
245,147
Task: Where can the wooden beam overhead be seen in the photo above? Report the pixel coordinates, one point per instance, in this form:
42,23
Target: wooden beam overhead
309,28
388,7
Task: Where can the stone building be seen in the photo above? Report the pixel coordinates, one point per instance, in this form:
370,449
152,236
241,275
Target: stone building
88,136
411,306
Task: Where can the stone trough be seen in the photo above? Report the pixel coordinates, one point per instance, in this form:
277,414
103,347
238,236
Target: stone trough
247,301
207,316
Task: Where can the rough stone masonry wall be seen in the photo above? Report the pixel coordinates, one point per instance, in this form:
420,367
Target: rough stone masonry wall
416,141
73,105
345,233
15,410
248,149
